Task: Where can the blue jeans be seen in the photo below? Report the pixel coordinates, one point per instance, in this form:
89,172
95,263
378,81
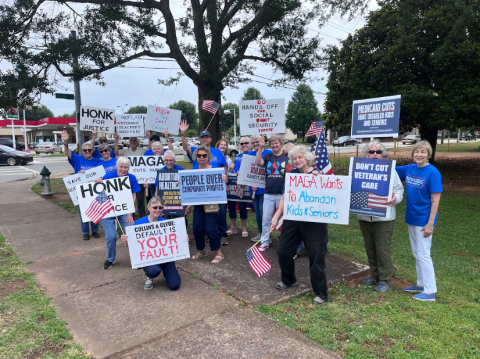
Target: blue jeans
222,221
270,205
85,225
204,223
110,227
170,273
258,206
232,210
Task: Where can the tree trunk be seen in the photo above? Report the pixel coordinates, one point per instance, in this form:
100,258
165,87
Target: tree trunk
208,121
430,134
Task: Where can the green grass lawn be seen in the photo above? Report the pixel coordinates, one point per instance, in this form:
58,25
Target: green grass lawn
462,146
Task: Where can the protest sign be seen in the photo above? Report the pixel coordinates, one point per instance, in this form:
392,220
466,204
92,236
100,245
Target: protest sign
237,192
372,186
169,189
118,190
202,186
157,242
251,174
262,117
376,117
310,198
79,178
131,125
161,119
100,119
145,167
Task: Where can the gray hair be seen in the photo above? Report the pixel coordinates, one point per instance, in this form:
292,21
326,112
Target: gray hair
423,144
305,151
202,148
103,146
85,144
287,147
274,138
156,199
378,144
247,139
256,137
122,160
157,144
170,153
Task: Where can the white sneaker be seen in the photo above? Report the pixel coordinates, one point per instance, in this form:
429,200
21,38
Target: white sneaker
263,247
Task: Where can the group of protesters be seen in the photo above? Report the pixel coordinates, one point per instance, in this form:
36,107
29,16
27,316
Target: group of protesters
423,186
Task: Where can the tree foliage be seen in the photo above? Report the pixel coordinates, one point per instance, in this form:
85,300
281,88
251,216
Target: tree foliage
189,113
252,93
302,110
33,113
67,115
137,109
428,51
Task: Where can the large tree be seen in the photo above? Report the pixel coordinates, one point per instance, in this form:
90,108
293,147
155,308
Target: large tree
428,51
137,109
189,113
208,40
252,93
302,110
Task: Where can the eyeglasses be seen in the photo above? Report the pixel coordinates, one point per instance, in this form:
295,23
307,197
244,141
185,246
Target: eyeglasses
244,143
378,152
199,155
157,207
103,151
87,150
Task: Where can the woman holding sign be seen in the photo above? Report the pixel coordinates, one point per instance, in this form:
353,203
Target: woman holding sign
424,188
313,234
109,163
378,231
170,272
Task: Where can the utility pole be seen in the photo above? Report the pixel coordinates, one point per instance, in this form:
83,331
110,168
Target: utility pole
78,99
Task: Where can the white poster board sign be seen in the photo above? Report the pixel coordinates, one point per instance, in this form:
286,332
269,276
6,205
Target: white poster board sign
71,182
251,174
100,119
118,190
262,117
145,167
131,125
157,242
161,119
310,198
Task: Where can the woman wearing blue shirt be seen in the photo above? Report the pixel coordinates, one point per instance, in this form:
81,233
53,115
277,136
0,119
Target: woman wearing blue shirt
109,163
424,188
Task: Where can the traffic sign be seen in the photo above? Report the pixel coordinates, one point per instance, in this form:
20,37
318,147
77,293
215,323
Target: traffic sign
66,96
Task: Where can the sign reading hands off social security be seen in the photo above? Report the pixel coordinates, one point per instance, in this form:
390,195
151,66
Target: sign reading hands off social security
262,117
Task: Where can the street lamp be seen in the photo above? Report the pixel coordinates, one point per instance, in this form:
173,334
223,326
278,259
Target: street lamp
227,112
123,107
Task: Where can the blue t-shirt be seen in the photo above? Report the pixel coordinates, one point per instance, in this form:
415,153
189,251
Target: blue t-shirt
420,183
110,166
149,153
97,154
218,159
276,167
253,153
81,163
145,220
133,180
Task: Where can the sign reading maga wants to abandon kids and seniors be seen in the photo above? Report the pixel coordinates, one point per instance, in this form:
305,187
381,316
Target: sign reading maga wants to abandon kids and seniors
372,186
262,117
145,167
162,119
118,191
376,117
131,125
79,178
100,119
202,186
168,188
310,198
251,174
157,242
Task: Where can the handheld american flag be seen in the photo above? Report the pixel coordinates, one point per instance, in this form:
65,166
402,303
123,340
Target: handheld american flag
99,208
257,261
316,128
210,106
319,148
368,199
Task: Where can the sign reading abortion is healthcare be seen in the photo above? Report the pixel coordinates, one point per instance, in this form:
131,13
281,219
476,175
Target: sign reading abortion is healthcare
262,117
376,117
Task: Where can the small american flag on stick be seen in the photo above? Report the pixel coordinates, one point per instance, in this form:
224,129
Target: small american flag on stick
257,261
99,208
210,106
316,128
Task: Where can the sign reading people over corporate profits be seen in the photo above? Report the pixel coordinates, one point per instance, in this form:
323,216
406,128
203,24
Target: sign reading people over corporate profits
71,182
100,119
145,167
157,242
262,117
202,186
161,119
376,117
372,186
310,198
168,188
131,125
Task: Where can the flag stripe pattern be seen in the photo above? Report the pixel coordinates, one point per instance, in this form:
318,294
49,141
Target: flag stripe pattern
369,200
210,106
99,208
316,128
322,162
257,261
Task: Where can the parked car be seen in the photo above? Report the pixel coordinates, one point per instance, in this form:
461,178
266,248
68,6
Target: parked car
344,141
20,146
411,139
73,148
467,137
31,145
13,157
48,147
177,148
232,151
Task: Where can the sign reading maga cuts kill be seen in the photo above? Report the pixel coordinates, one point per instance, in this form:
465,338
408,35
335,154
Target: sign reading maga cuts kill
79,178
202,186
145,167
118,190
262,117
310,198
100,119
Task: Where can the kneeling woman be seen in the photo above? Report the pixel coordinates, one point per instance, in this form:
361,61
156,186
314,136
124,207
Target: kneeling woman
314,235
170,272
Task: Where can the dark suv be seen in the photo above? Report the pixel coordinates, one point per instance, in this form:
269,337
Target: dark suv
20,146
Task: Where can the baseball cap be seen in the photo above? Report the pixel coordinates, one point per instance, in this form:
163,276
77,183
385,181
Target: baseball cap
102,139
204,133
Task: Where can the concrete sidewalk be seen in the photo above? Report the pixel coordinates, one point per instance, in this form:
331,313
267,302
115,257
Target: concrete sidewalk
110,314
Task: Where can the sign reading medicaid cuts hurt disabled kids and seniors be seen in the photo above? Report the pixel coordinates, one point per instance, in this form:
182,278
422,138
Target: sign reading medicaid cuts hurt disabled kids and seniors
71,182
376,117
198,187
162,119
145,167
131,125
372,186
251,174
157,242
237,192
262,117
168,188
118,191
100,119
310,198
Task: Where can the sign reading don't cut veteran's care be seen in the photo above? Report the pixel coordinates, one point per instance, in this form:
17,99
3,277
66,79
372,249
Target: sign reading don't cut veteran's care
100,119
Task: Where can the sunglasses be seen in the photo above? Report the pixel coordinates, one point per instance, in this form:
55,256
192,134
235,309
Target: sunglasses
157,207
202,155
378,152
244,143
103,151
87,150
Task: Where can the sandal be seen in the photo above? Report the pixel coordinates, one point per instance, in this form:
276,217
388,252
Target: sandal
218,259
199,255
230,232
244,234
382,288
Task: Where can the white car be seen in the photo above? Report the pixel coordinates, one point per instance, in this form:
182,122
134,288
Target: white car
177,148
48,147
